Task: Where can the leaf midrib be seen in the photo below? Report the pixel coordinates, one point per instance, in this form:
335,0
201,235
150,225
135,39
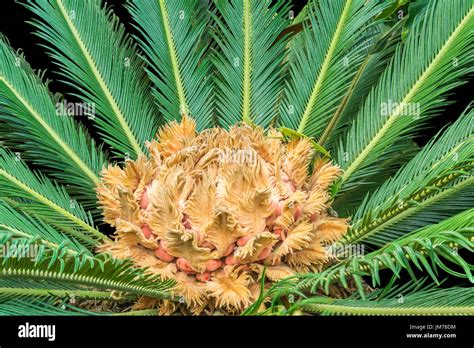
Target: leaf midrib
174,58
453,310
42,199
355,164
82,165
108,95
435,164
82,279
325,67
247,24
428,201
43,292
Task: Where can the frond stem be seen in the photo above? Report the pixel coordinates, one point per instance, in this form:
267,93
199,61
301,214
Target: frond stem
80,279
174,58
57,293
247,23
324,67
42,199
409,95
110,98
93,176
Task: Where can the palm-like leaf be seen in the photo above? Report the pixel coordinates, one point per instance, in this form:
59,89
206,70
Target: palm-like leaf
453,301
54,268
172,39
348,204
83,37
335,44
249,60
424,249
58,142
420,72
47,200
20,225
437,183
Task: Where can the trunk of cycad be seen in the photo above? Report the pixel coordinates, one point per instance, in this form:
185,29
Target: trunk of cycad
211,210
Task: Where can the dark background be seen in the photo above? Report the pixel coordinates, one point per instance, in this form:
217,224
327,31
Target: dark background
13,25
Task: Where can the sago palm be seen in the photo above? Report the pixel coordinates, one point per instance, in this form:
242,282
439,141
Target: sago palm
248,161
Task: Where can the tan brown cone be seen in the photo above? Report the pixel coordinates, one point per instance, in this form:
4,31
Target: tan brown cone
210,210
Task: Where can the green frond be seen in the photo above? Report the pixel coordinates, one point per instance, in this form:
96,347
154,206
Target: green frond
411,89
380,50
323,60
24,288
82,38
54,266
31,123
39,196
426,249
25,291
29,297
437,183
249,60
171,36
435,243
451,301
347,203
21,225
40,307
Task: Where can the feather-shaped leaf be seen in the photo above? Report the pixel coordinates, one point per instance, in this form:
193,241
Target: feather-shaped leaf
347,202
249,60
435,242
323,59
171,36
32,123
39,196
96,57
441,243
21,225
56,267
437,183
411,89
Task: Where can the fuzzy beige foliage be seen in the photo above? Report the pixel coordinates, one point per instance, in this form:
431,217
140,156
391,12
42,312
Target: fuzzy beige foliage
211,210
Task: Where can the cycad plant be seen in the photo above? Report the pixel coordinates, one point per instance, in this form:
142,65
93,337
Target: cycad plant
246,160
